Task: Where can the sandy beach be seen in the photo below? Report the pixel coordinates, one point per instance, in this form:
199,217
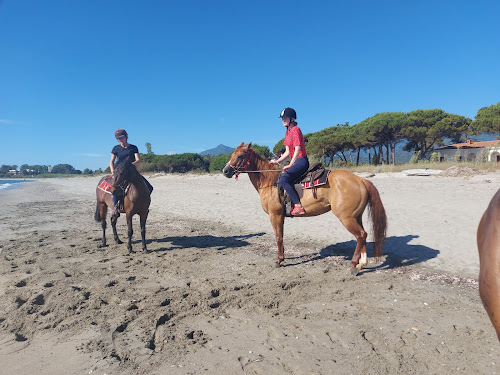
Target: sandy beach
207,299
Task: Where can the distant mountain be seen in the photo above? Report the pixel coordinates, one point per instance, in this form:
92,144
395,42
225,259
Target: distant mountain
220,149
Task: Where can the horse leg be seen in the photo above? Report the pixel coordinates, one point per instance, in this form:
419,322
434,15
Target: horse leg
143,230
278,222
103,211
130,232
359,259
115,233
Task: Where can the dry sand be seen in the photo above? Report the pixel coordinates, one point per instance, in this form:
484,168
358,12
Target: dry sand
207,299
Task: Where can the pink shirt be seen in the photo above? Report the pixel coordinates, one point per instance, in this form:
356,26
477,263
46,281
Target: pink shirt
293,138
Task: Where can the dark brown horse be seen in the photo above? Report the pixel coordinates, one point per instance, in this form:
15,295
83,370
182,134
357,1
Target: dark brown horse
345,194
136,201
488,243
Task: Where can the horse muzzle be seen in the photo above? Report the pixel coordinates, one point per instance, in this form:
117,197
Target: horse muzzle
228,171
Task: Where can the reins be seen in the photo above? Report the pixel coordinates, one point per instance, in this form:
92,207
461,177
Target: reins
262,170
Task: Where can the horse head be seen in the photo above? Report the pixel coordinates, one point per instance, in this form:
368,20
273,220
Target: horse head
124,171
240,159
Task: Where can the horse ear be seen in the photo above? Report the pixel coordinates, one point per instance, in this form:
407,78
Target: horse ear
249,145
242,144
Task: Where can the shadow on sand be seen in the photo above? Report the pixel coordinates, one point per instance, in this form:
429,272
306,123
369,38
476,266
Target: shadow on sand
205,241
398,251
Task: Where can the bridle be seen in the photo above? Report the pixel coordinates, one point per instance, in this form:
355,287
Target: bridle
244,164
125,173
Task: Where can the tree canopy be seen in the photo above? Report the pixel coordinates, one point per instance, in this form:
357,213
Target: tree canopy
420,130
487,120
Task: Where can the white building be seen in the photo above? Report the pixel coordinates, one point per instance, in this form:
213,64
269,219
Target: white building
470,151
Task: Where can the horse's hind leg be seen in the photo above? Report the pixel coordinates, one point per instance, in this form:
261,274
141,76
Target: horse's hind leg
115,233
143,230
355,226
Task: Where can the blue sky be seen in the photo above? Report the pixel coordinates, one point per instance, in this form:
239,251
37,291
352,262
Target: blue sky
189,75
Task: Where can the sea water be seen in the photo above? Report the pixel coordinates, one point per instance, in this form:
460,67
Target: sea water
10,184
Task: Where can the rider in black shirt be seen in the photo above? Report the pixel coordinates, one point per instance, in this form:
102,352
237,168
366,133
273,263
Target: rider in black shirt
121,152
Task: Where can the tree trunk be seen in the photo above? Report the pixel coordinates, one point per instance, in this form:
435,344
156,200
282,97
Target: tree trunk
357,157
375,156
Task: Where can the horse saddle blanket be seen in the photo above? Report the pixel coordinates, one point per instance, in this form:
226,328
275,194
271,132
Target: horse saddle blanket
106,185
315,176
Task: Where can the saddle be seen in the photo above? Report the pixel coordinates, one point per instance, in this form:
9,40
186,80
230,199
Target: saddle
315,176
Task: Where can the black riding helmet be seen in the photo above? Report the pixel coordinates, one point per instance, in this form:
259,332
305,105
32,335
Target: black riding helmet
288,112
120,132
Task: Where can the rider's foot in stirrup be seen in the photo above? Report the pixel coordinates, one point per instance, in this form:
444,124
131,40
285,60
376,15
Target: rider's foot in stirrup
298,210
117,213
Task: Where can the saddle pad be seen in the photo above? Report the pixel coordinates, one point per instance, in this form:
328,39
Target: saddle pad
321,180
106,186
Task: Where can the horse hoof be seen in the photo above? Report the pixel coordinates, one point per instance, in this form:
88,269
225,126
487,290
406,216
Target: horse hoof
102,245
354,272
119,242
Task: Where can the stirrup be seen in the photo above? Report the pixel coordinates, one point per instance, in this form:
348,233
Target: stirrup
117,212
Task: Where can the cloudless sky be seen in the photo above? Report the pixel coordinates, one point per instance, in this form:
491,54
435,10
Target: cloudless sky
187,76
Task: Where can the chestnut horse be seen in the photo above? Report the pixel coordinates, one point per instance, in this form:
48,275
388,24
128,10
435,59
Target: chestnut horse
345,194
136,201
488,243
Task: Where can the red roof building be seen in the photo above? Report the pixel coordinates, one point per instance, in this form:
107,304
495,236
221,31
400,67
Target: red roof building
470,151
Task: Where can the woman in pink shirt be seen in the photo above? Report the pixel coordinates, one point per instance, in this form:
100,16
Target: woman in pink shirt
295,148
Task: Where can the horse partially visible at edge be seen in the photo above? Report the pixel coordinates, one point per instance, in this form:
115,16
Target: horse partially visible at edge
488,244
136,201
345,195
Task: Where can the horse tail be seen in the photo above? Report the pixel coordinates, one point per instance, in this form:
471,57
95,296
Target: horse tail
97,213
378,216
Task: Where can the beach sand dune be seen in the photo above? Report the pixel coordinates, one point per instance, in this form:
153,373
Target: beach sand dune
208,299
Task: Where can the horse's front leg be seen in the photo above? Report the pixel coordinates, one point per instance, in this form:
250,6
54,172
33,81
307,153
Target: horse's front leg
143,231
278,221
113,225
130,232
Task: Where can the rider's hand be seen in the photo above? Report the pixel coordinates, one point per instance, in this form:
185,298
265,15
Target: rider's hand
286,167
274,162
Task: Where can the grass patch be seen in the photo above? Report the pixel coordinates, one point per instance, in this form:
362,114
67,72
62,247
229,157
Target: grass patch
425,164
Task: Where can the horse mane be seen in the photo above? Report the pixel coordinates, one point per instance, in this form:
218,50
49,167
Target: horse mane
266,178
